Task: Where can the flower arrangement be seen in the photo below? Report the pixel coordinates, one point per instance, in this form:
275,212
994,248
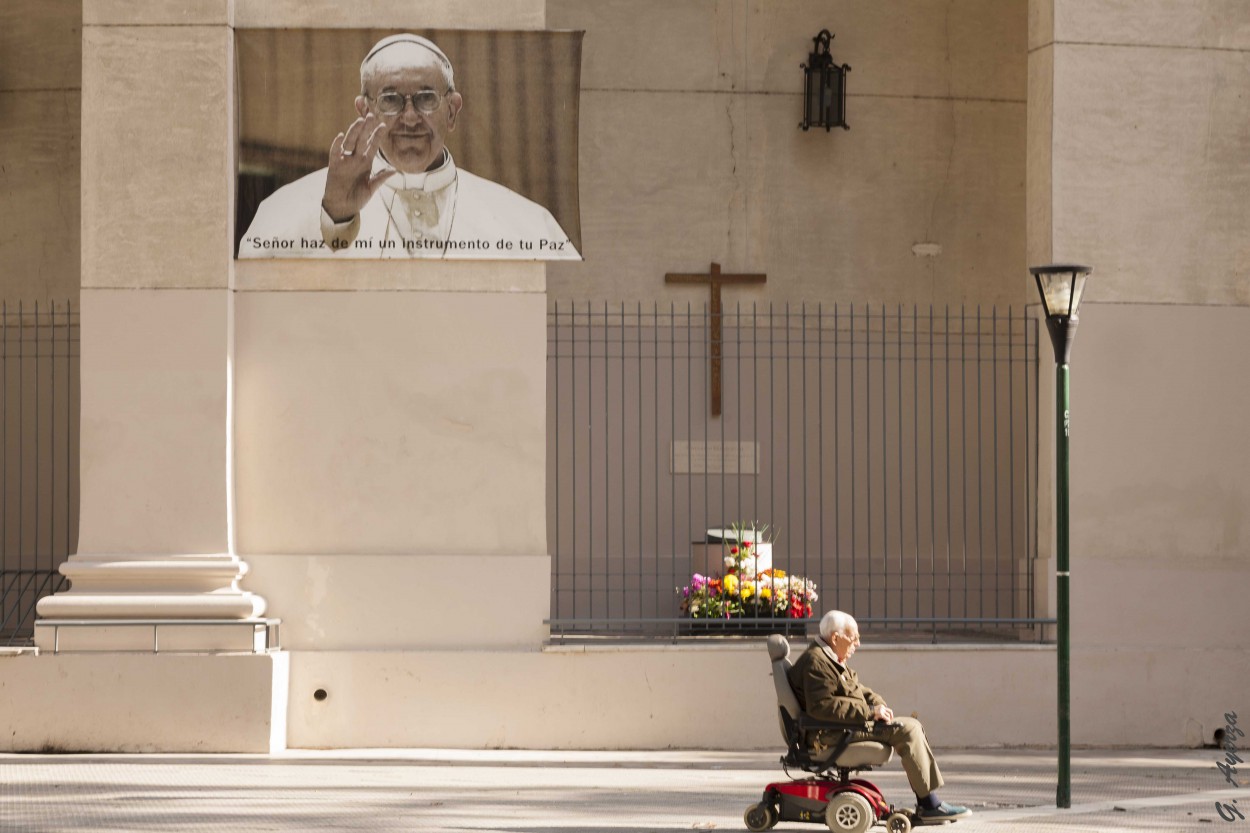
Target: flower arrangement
745,592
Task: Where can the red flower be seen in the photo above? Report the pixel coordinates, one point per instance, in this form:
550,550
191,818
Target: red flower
733,550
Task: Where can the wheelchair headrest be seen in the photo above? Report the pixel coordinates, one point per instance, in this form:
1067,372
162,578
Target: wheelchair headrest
778,647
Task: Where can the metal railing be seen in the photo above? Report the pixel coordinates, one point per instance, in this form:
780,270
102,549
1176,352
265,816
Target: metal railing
266,634
893,450
39,349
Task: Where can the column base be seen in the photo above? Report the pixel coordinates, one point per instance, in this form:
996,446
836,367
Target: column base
107,588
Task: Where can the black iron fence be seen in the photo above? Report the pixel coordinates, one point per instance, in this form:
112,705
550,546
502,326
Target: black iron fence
892,451
38,457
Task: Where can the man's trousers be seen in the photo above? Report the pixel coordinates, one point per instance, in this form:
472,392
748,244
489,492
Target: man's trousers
906,737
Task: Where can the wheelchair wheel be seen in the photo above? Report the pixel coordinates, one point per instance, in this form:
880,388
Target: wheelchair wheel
898,822
760,817
849,812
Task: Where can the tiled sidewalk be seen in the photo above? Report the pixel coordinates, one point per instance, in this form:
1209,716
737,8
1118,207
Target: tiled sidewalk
587,792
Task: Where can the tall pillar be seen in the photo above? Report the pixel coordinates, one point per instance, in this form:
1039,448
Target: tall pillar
1137,148
391,432
157,328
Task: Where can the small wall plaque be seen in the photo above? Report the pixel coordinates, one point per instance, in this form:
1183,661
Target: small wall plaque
702,457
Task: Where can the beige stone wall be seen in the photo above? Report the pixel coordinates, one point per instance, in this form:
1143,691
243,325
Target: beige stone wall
691,152
390,422
1160,539
40,100
445,601
1148,138
1138,148
135,702
647,696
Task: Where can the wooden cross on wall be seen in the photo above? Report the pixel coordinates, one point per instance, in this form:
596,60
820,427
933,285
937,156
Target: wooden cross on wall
716,280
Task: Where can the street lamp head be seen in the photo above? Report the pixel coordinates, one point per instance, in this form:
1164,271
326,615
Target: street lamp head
1061,287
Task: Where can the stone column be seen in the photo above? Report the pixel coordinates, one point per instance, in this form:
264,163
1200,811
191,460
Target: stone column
157,328
1137,153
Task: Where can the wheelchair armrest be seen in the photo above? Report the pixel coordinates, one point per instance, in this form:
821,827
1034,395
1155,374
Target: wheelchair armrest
808,723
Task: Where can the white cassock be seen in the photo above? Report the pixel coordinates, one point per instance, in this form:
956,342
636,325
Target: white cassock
446,213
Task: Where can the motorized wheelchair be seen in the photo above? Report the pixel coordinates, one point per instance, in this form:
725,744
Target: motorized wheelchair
845,804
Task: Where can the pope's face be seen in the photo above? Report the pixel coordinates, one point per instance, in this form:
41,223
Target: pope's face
414,140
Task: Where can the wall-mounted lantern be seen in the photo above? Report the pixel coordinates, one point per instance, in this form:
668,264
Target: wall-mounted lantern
824,87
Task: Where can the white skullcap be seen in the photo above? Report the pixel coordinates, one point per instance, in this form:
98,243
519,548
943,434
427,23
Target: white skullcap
425,43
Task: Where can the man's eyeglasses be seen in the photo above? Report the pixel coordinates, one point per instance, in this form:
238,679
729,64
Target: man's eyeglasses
392,104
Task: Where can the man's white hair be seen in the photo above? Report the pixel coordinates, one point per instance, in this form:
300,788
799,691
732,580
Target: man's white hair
369,65
835,621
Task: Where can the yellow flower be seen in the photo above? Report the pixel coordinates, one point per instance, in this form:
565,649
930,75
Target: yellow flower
779,573
766,592
748,590
731,584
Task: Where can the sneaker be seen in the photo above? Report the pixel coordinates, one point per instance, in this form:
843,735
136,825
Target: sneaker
942,814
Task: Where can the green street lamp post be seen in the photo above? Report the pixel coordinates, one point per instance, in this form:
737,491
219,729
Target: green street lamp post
1061,287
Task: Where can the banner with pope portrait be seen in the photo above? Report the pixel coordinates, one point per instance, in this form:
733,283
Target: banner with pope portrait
368,144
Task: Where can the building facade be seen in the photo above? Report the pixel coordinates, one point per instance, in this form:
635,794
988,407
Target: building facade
364,446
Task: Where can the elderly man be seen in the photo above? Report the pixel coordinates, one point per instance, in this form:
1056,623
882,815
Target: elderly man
391,188
827,689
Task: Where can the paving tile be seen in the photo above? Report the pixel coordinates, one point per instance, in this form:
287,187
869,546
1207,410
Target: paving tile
587,792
